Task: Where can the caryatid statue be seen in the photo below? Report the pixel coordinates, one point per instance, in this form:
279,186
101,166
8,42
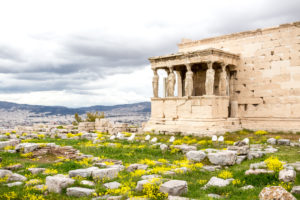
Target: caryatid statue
171,83
155,83
188,86
210,79
223,81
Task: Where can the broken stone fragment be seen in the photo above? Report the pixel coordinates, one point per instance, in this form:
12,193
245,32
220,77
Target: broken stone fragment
174,187
58,182
79,191
275,192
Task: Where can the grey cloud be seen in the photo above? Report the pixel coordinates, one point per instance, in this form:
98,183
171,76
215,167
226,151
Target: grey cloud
84,58
9,53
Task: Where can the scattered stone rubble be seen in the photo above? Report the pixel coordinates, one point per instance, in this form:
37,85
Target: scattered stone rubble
234,154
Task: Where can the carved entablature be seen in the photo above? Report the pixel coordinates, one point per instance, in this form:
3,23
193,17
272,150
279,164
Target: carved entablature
201,56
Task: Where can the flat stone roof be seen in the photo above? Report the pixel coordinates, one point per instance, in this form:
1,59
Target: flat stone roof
205,55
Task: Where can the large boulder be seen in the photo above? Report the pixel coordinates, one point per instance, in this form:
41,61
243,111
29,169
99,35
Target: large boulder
108,173
174,187
185,148
222,157
219,182
296,190
272,141
12,142
240,150
112,185
11,176
197,156
136,166
58,182
5,173
287,175
275,192
16,177
284,142
79,191
36,170
27,147
82,172
255,154
258,171
14,184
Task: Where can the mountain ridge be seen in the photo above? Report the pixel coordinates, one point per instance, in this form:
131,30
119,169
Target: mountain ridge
63,110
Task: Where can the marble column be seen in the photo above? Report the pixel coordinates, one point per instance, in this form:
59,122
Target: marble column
189,85
165,87
223,81
165,83
171,82
155,83
210,78
179,83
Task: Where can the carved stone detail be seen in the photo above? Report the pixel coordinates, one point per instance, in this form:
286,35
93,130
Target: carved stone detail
223,81
210,78
155,83
188,88
171,83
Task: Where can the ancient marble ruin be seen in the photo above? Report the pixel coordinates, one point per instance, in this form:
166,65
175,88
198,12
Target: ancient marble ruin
243,80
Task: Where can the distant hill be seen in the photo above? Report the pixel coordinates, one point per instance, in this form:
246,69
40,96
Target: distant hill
142,107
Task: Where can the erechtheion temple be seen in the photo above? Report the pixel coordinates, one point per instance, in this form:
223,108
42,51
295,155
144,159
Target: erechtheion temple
244,80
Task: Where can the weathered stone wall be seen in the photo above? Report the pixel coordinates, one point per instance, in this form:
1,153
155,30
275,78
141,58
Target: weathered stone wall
267,84
203,107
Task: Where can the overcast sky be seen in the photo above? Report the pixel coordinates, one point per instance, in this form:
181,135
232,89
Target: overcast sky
81,53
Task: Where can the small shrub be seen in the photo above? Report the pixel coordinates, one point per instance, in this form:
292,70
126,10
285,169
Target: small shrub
70,135
274,164
225,174
260,132
50,171
151,190
41,136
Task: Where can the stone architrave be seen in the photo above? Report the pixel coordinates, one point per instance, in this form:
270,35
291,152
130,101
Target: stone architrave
188,87
210,78
223,81
155,83
171,83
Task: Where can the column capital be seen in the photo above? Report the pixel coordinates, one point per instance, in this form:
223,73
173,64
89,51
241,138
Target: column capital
209,64
171,68
188,66
223,65
154,71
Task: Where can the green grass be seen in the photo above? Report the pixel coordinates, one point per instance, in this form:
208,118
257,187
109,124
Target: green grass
133,152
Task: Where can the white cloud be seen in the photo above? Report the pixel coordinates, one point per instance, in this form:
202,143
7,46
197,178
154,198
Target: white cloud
80,53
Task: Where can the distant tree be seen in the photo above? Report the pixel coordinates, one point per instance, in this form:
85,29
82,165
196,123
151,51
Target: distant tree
91,117
77,119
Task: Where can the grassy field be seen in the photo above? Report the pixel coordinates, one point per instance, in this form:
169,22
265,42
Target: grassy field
140,151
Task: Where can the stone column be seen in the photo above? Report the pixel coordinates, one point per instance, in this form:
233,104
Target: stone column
165,83
165,87
223,81
189,85
179,83
210,78
171,82
155,83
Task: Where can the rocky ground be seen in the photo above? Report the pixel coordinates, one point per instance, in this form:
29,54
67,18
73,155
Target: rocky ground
58,164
